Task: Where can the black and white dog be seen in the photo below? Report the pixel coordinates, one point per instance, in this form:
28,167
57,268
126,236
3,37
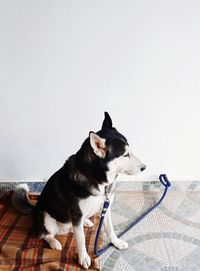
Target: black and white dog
77,191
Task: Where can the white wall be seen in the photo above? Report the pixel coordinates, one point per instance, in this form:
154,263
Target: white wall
62,63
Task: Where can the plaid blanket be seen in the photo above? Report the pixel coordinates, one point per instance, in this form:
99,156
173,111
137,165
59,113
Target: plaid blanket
21,250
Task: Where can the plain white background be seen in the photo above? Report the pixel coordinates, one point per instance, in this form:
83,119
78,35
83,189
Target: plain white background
63,63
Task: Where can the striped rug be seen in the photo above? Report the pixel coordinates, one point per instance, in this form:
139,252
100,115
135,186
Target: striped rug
20,249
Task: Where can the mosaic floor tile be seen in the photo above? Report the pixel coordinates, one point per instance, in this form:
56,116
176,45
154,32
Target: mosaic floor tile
168,239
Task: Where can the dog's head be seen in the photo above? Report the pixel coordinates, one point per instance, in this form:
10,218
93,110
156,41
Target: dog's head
113,148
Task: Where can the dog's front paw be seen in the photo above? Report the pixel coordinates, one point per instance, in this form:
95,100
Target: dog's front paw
84,261
120,244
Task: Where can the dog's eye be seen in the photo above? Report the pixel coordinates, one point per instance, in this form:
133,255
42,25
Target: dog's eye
126,155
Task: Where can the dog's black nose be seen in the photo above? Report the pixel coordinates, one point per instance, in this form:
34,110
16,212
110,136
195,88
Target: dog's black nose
143,168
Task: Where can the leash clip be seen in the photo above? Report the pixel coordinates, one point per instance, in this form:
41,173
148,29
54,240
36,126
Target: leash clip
105,207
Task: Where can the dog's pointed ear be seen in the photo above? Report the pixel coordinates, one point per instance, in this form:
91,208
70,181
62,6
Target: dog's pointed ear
107,123
98,144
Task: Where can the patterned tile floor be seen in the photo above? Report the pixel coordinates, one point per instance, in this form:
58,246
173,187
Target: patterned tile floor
168,239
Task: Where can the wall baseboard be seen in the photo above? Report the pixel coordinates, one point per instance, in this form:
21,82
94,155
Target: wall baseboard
23,181
119,179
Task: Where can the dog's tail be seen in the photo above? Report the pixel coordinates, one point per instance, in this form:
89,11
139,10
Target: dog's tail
20,200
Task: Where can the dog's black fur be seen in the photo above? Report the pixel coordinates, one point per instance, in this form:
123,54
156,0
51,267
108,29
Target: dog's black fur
78,177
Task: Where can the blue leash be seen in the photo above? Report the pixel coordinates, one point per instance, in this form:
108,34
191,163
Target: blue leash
164,181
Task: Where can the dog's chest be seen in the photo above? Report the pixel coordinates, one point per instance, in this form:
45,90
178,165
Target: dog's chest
93,204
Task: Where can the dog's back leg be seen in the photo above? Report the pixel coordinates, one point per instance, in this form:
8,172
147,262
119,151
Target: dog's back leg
51,229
